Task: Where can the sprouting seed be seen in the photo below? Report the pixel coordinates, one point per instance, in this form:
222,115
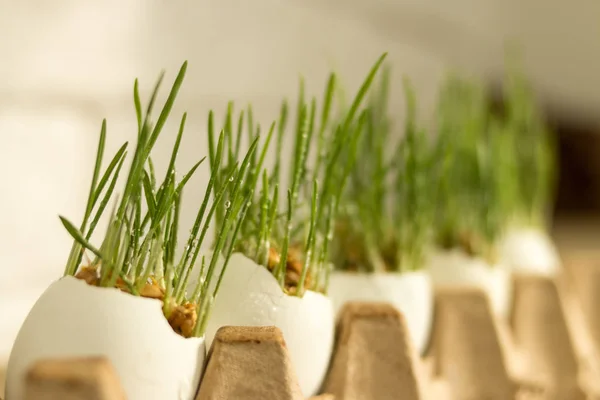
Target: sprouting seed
139,247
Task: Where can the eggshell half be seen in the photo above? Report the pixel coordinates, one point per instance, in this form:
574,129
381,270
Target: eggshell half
456,268
250,296
409,292
530,250
73,319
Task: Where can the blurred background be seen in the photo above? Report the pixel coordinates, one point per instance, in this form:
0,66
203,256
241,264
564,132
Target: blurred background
66,64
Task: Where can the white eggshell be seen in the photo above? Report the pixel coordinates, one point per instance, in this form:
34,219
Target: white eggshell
530,250
250,296
73,319
409,292
456,268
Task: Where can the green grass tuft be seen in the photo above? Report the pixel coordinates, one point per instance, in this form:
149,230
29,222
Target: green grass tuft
138,252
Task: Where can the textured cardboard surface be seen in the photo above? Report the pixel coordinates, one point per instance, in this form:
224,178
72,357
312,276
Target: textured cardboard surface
581,319
374,358
547,336
249,363
466,346
586,279
73,379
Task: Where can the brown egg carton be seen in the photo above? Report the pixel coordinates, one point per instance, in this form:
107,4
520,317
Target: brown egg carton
543,352
549,331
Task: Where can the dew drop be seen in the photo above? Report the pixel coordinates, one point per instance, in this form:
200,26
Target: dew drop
227,204
231,179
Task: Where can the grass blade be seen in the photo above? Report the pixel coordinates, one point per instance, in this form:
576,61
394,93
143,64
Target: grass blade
106,198
362,92
120,154
78,236
97,166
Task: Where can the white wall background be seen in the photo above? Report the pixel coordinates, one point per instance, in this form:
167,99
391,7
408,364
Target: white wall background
66,64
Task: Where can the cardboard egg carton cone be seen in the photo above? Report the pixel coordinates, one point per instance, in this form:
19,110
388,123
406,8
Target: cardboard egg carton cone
585,273
374,358
549,327
249,363
90,378
470,351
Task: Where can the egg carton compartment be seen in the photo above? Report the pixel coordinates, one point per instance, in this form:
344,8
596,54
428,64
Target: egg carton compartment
543,352
585,277
249,362
549,331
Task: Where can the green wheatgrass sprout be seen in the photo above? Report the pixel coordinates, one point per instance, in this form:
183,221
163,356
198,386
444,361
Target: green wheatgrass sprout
138,252
460,127
500,171
414,191
385,218
291,238
474,171
534,149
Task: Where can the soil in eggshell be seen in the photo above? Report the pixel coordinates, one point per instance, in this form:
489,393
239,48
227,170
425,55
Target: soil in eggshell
293,269
182,317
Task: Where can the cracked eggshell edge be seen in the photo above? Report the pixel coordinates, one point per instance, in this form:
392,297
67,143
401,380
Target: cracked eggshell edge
74,319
